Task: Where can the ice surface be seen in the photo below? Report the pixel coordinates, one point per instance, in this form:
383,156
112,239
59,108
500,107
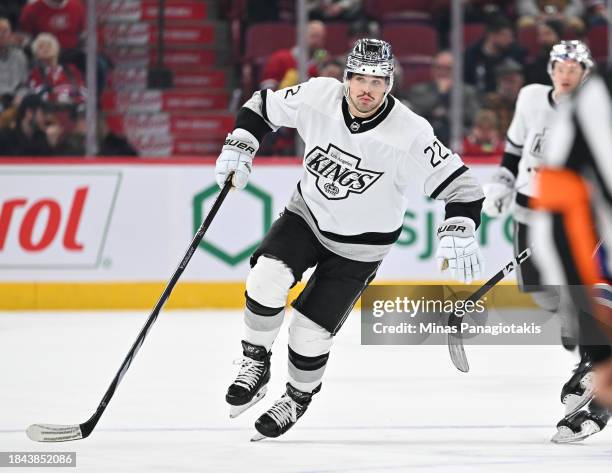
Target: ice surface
381,409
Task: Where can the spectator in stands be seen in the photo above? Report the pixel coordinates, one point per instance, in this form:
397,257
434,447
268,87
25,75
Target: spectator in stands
549,33
474,11
332,68
596,13
73,138
13,65
432,99
30,135
65,19
481,59
510,80
334,10
258,11
116,145
484,139
567,11
57,84
281,69
11,9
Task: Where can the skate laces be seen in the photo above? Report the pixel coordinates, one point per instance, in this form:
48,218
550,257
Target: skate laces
250,370
283,411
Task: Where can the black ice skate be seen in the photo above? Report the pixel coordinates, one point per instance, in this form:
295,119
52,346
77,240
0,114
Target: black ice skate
578,391
249,386
582,424
284,413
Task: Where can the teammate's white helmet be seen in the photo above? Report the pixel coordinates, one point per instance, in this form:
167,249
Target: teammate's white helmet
370,57
571,50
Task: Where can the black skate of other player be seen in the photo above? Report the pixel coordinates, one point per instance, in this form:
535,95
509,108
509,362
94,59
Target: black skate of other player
582,424
578,423
578,391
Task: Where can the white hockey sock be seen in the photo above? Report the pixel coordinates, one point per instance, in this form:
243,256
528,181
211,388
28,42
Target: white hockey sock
309,346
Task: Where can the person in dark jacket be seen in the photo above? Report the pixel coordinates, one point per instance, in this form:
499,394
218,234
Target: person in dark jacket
432,99
481,59
28,136
549,33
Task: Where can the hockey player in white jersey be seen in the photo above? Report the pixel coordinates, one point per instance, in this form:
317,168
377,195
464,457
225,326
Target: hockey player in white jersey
513,185
363,150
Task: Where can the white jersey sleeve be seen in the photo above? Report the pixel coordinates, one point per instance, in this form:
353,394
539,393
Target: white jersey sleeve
440,173
281,107
518,129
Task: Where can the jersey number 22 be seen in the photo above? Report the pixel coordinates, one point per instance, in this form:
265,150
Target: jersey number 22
436,155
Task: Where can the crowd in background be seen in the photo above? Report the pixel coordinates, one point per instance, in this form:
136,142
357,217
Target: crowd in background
42,70
495,66
42,65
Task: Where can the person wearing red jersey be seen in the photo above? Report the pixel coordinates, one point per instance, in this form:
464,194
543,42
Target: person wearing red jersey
281,69
55,83
65,19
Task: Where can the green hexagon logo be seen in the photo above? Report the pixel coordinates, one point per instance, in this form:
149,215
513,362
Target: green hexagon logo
232,257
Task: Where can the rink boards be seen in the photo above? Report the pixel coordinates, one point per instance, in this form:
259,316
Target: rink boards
108,234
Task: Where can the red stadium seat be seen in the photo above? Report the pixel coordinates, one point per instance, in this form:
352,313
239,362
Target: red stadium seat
392,10
410,41
472,32
528,38
262,39
336,38
415,72
597,39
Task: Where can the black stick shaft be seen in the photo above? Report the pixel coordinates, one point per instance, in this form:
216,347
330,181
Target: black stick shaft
88,426
497,277
455,341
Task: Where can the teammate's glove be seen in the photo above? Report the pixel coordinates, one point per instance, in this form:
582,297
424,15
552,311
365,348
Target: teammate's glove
498,193
458,250
237,157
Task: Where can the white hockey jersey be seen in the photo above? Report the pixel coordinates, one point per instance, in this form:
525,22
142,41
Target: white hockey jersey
356,171
526,137
582,134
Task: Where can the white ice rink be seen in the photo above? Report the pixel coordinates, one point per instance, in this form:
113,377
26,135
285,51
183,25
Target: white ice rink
381,409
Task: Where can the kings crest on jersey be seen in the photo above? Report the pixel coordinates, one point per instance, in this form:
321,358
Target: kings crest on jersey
357,171
337,172
527,139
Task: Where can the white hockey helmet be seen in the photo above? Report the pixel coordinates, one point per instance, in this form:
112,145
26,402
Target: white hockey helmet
571,51
370,57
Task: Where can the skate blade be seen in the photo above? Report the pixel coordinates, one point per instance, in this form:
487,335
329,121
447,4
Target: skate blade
574,403
235,411
257,437
565,435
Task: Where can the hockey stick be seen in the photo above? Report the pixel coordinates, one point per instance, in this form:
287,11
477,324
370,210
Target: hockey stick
455,340
63,433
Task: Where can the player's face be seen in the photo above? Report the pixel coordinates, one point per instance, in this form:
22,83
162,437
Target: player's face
566,76
366,94
5,32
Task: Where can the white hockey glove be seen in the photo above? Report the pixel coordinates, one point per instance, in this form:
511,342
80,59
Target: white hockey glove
236,156
458,250
498,193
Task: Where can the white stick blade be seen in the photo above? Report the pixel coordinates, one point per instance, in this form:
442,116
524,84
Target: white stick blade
457,353
54,432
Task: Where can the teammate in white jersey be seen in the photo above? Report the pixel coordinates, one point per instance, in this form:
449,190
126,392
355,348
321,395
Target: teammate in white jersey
526,143
363,150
